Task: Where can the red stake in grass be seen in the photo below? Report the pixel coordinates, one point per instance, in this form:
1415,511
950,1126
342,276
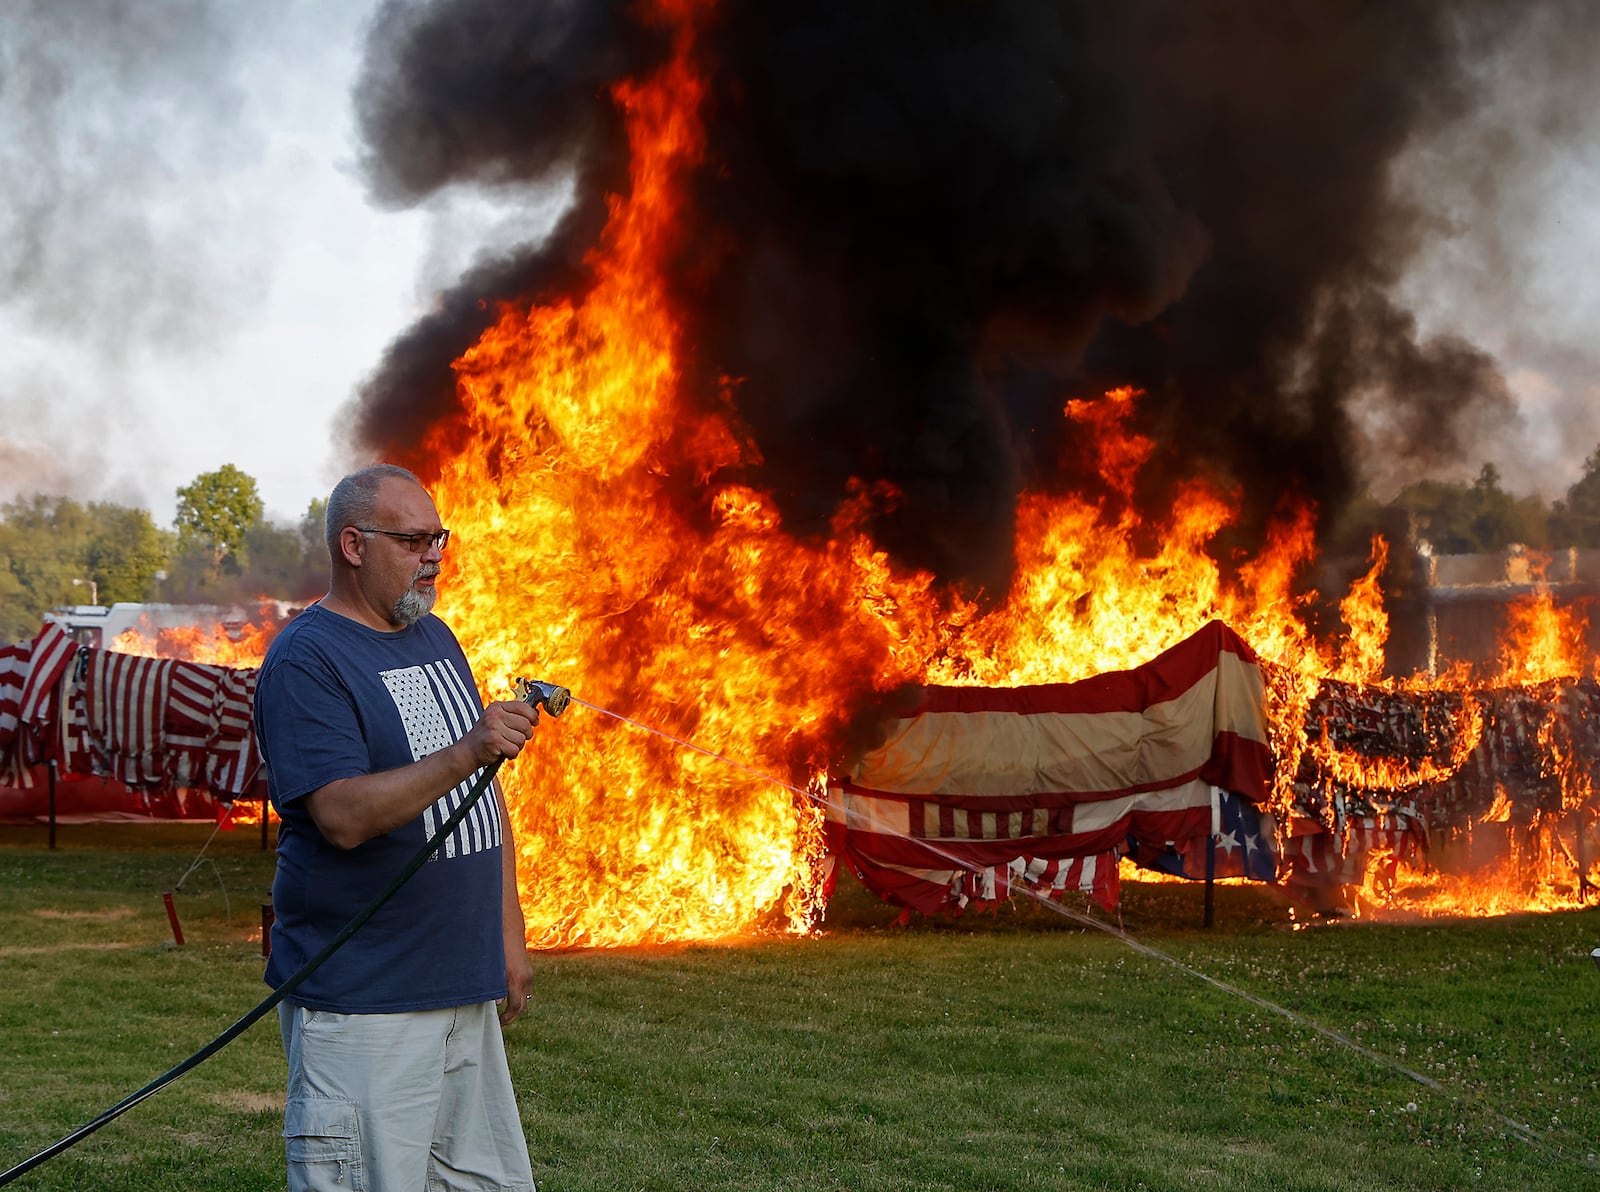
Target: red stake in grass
172,916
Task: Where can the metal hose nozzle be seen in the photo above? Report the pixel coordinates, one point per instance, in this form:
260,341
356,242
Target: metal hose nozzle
553,698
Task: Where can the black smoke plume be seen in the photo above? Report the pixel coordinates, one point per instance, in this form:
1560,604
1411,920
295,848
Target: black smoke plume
923,225
495,94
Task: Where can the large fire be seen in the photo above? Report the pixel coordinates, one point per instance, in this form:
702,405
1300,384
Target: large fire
603,546
605,553
606,543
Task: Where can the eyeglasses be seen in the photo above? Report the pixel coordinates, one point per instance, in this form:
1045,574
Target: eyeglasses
415,543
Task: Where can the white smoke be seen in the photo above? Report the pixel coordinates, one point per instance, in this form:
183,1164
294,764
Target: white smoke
1514,193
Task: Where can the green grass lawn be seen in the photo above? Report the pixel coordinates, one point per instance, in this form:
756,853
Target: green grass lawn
1009,1051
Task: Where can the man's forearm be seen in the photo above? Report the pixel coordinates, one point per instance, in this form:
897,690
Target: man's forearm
351,811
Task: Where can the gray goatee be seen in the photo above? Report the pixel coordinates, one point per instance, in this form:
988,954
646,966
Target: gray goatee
415,605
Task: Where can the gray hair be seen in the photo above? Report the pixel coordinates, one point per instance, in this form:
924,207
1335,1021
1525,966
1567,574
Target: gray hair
354,500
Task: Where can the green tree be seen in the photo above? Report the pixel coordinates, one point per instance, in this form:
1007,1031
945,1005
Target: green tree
1480,518
126,552
215,510
1504,519
193,575
276,560
18,622
1575,520
44,548
268,559
313,528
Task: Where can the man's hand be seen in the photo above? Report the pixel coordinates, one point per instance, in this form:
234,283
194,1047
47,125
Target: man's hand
519,982
502,730
519,972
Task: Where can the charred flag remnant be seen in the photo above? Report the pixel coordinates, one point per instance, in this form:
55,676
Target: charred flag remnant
1391,769
1454,752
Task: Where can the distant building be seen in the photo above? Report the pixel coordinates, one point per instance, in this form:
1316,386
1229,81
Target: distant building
1455,608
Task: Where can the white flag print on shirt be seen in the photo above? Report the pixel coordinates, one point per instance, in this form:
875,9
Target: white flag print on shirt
437,709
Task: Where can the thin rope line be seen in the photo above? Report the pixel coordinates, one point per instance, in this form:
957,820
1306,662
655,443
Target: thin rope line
1521,1130
202,853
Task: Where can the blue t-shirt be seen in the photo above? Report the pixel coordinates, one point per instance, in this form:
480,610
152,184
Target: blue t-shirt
336,699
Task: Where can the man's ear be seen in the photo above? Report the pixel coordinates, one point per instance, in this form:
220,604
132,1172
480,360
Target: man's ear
350,543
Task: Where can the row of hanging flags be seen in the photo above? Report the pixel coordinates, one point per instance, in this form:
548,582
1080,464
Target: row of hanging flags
973,791
176,735
1519,755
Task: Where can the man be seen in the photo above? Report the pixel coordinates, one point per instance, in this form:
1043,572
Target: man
373,732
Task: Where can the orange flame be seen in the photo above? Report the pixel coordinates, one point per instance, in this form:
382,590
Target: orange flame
216,646
1542,642
1362,659
607,544
709,625
233,644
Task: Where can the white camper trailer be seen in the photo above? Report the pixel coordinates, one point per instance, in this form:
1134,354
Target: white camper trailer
99,626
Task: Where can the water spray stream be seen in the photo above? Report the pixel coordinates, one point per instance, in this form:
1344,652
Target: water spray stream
1519,1130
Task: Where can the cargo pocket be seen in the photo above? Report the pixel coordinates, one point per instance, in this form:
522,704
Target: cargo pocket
322,1139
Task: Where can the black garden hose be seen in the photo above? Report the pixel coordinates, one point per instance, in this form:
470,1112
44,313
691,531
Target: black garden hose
276,996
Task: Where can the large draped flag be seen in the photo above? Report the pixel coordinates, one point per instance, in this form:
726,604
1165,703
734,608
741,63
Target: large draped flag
979,788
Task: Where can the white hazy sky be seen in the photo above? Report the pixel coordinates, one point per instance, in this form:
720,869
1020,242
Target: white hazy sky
191,273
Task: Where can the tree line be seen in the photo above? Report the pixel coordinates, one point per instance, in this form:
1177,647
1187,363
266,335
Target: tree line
1481,517
56,551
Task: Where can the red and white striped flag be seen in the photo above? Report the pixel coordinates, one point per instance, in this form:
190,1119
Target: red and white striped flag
188,723
234,755
153,724
125,701
979,787
13,674
48,658
52,650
